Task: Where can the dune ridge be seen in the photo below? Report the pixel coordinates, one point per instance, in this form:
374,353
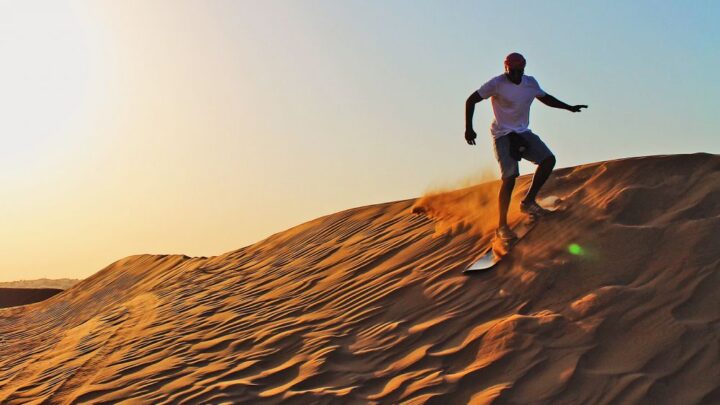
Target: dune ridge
369,305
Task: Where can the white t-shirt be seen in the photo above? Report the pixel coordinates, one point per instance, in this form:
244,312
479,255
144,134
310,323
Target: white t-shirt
510,103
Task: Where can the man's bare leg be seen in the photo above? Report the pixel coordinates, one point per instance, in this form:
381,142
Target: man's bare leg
504,199
542,173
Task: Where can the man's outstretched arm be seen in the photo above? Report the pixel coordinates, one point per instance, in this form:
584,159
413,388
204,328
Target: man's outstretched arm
470,134
551,101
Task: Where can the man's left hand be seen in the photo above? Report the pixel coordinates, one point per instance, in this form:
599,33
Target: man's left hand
577,108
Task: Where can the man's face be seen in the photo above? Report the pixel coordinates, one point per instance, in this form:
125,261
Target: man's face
515,73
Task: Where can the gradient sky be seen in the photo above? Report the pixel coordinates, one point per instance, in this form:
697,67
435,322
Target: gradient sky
199,127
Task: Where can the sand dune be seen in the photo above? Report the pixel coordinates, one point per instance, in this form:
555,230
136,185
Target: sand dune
369,305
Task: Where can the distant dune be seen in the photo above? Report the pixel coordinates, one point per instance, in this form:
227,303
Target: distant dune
60,283
11,297
370,305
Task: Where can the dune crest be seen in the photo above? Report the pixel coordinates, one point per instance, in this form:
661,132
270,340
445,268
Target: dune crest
369,305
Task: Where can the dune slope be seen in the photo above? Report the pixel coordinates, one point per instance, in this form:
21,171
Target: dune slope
370,305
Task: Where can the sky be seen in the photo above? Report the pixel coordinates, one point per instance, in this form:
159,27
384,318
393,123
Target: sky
200,127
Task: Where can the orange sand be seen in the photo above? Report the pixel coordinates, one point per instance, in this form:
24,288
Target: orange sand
369,305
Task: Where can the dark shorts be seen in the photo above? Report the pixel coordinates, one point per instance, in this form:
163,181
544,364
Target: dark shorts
535,151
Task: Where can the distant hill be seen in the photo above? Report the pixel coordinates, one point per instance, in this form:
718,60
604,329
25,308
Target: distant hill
60,283
13,297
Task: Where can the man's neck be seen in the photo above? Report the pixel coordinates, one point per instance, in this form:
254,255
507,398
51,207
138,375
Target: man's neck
513,81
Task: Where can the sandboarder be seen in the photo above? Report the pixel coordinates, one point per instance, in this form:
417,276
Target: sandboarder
511,95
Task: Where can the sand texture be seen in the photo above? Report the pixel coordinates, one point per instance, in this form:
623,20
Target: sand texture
369,305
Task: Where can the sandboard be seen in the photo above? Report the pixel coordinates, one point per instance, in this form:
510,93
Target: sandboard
499,248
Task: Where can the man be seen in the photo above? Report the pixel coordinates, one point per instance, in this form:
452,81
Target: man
511,95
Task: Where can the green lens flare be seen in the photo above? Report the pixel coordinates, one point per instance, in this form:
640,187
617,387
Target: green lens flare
575,249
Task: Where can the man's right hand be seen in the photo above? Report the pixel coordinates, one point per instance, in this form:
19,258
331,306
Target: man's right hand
470,136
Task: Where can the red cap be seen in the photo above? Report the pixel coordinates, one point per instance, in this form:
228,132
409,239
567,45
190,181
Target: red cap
515,60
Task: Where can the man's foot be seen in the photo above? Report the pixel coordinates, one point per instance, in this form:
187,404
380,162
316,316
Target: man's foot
505,233
532,208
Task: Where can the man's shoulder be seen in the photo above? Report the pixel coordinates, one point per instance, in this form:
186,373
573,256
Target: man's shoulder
490,87
531,79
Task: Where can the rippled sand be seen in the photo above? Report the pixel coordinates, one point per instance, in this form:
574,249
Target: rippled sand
370,305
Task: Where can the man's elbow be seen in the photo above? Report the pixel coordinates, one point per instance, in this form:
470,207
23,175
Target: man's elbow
547,100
